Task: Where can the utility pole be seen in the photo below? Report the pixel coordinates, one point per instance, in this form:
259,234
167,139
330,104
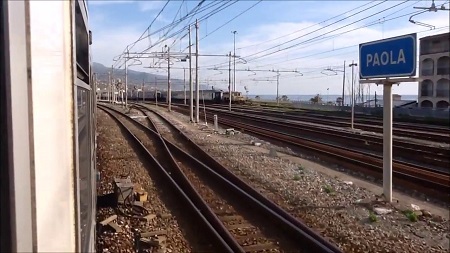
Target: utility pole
197,84
112,84
234,61
353,96
143,93
229,83
328,89
278,85
169,90
156,92
108,90
184,84
375,99
191,92
343,87
120,93
126,80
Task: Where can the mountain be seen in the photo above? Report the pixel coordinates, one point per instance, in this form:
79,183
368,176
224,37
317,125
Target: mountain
135,78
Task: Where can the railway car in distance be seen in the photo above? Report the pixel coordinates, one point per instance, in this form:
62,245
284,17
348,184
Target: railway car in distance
236,97
209,96
47,128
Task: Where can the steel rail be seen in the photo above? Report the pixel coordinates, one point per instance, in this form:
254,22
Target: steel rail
432,155
425,155
363,119
425,178
429,133
181,192
223,171
425,133
316,243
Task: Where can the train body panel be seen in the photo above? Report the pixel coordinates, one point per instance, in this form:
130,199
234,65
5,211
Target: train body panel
50,155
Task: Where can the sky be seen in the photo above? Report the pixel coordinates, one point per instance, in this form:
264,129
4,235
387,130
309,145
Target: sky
307,41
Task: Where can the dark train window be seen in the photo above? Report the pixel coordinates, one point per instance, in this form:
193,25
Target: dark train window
82,45
84,164
5,218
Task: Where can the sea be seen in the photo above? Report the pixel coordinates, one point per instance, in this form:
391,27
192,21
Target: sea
325,98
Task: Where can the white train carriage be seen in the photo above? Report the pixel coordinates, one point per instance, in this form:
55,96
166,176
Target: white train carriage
47,128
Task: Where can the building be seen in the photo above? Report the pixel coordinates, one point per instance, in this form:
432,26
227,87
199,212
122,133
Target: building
396,102
434,71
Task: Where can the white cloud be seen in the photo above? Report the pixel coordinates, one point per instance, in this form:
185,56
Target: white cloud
316,82
151,5
108,2
108,43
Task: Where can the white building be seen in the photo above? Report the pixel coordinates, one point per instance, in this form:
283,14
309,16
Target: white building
434,70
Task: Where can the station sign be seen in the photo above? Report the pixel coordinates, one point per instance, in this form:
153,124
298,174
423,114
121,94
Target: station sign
393,57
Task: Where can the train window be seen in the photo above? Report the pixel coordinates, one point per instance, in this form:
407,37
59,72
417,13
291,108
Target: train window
82,45
5,218
84,164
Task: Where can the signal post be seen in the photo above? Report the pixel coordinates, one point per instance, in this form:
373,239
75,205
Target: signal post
388,62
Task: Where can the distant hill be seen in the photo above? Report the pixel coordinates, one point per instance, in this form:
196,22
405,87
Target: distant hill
135,77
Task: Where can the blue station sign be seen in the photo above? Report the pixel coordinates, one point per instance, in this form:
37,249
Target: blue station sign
393,57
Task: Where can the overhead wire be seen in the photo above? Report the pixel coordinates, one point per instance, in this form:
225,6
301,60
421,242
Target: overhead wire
331,36
316,69
313,39
221,64
305,28
221,7
197,9
206,16
341,54
336,35
303,42
380,20
337,66
241,13
153,21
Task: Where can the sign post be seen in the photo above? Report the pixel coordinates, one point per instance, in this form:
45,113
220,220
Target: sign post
381,62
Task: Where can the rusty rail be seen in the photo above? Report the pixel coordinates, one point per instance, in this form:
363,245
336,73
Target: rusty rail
358,160
306,237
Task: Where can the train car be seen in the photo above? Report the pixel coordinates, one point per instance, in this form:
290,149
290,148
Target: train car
236,97
208,96
47,128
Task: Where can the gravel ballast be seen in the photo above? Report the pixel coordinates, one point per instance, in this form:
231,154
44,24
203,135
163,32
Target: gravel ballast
116,158
339,210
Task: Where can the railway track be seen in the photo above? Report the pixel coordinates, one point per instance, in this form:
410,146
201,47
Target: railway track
433,157
429,157
239,219
438,134
408,175
360,118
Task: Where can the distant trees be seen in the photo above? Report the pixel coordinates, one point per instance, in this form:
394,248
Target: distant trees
257,98
284,98
316,99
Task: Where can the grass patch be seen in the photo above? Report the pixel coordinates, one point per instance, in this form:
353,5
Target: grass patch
411,215
328,189
372,217
296,178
